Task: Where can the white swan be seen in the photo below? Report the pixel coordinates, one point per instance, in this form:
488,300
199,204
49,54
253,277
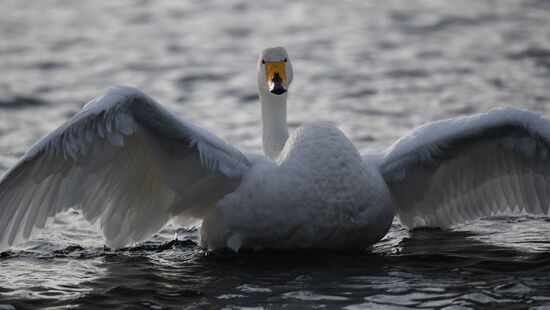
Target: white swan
130,165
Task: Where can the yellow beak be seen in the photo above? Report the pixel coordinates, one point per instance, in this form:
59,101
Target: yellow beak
275,77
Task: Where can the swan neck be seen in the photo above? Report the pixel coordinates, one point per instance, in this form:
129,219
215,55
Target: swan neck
274,124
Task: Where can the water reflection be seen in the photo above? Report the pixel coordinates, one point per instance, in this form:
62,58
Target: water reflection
375,69
426,268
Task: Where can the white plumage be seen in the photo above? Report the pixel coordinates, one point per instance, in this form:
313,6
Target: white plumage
123,161
455,170
130,165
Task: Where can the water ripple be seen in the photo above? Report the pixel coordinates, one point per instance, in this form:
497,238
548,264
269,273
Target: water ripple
375,69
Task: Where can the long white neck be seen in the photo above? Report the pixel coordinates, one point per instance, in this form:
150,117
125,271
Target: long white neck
274,126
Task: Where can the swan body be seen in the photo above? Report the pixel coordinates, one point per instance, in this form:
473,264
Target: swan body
319,194
131,166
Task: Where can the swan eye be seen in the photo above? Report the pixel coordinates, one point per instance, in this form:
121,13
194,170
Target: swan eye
263,62
285,60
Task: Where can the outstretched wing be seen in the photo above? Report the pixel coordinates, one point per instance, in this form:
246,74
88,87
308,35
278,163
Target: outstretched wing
460,169
124,161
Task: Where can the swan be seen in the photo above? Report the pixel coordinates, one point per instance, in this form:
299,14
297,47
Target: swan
131,166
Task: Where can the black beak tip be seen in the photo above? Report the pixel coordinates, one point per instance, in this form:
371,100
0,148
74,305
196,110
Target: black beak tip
278,90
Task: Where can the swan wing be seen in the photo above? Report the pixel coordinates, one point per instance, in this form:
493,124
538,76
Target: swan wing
452,171
126,163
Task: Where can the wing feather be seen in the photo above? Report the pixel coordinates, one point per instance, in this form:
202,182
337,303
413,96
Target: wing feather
456,170
124,162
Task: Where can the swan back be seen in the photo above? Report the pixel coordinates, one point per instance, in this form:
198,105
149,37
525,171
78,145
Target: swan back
318,194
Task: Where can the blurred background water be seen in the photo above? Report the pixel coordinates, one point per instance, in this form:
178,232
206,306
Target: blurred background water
374,68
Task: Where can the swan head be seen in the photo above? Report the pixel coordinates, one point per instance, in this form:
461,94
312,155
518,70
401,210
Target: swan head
274,71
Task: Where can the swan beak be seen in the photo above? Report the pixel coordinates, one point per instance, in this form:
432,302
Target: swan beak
275,77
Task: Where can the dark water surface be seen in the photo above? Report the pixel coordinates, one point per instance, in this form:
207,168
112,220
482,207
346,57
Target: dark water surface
504,262
374,68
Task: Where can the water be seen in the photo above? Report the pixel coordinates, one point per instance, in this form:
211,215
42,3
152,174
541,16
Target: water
375,69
